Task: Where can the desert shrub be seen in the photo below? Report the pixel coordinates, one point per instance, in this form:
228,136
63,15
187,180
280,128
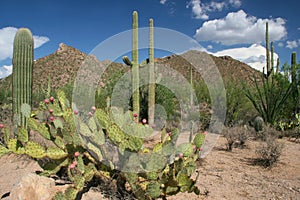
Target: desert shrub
268,131
230,138
242,136
268,152
236,136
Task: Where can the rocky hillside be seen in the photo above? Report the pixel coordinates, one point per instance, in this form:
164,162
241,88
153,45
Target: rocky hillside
60,68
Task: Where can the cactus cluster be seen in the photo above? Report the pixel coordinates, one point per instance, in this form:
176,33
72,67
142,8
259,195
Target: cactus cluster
135,69
160,180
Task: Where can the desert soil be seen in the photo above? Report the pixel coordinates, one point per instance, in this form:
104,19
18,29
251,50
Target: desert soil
224,175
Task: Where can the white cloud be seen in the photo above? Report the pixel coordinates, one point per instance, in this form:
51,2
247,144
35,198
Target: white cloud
200,10
240,28
292,44
280,44
163,1
7,35
5,71
209,47
235,3
254,55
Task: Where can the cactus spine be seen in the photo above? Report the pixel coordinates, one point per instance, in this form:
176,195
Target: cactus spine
151,102
135,65
22,73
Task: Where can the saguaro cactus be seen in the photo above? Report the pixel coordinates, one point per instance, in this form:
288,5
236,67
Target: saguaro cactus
151,102
22,74
135,65
295,91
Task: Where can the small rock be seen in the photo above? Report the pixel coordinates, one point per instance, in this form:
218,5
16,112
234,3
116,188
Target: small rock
33,187
92,195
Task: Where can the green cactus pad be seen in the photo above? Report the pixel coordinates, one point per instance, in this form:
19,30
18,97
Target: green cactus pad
98,137
163,135
80,164
116,134
79,181
51,168
3,151
152,175
32,124
102,118
35,150
184,180
153,190
92,125
186,148
71,193
89,171
85,130
96,153
59,142
199,140
22,134
157,148
59,196
168,149
133,143
58,124
44,131
190,166
55,153
56,109
156,162
64,103
174,135
12,145
172,190
6,135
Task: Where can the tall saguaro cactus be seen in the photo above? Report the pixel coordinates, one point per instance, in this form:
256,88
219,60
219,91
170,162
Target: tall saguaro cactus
295,91
151,102
135,65
22,74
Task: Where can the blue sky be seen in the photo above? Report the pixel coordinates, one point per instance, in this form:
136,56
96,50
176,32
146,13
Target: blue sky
222,27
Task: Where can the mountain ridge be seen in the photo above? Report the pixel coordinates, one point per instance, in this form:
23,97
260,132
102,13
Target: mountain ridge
60,68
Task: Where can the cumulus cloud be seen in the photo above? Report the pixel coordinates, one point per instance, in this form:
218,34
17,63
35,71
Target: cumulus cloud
7,35
200,10
254,55
5,71
240,28
235,3
280,44
292,44
163,1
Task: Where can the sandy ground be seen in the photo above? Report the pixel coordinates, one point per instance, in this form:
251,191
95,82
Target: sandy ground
224,175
